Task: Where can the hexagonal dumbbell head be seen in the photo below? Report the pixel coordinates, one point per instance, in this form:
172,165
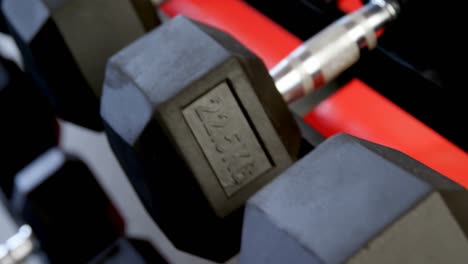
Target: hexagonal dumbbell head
69,213
352,201
66,45
198,125
28,125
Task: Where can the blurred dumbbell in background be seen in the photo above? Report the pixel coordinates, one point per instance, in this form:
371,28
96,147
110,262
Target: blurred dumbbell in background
30,124
67,217
29,130
65,46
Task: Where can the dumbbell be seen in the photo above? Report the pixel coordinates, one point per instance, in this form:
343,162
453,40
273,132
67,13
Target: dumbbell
66,213
29,126
198,126
354,201
66,44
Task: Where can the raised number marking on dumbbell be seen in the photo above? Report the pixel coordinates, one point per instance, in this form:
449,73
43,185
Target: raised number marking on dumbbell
226,138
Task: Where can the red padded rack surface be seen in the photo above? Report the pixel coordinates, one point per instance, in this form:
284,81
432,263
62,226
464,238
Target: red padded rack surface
355,109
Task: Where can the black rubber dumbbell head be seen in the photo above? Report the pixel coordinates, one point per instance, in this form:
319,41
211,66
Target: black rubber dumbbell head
198,126
353,201
69,213
66,45
134,251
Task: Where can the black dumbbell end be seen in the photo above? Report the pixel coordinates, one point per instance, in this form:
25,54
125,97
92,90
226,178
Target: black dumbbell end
353,201
29,126
198,125
70,214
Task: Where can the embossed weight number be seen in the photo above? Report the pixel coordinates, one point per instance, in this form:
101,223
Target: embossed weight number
234,154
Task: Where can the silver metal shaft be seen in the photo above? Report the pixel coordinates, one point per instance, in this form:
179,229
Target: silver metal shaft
18,247
333,50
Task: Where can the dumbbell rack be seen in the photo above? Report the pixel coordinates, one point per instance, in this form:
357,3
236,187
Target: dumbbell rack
94,149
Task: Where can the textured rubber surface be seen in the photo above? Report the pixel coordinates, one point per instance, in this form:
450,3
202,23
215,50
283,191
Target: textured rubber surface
339,197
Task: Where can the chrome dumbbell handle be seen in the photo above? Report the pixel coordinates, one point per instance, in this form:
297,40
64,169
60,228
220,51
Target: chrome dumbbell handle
333,50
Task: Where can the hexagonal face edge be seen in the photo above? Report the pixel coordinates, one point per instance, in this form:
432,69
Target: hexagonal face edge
189,132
